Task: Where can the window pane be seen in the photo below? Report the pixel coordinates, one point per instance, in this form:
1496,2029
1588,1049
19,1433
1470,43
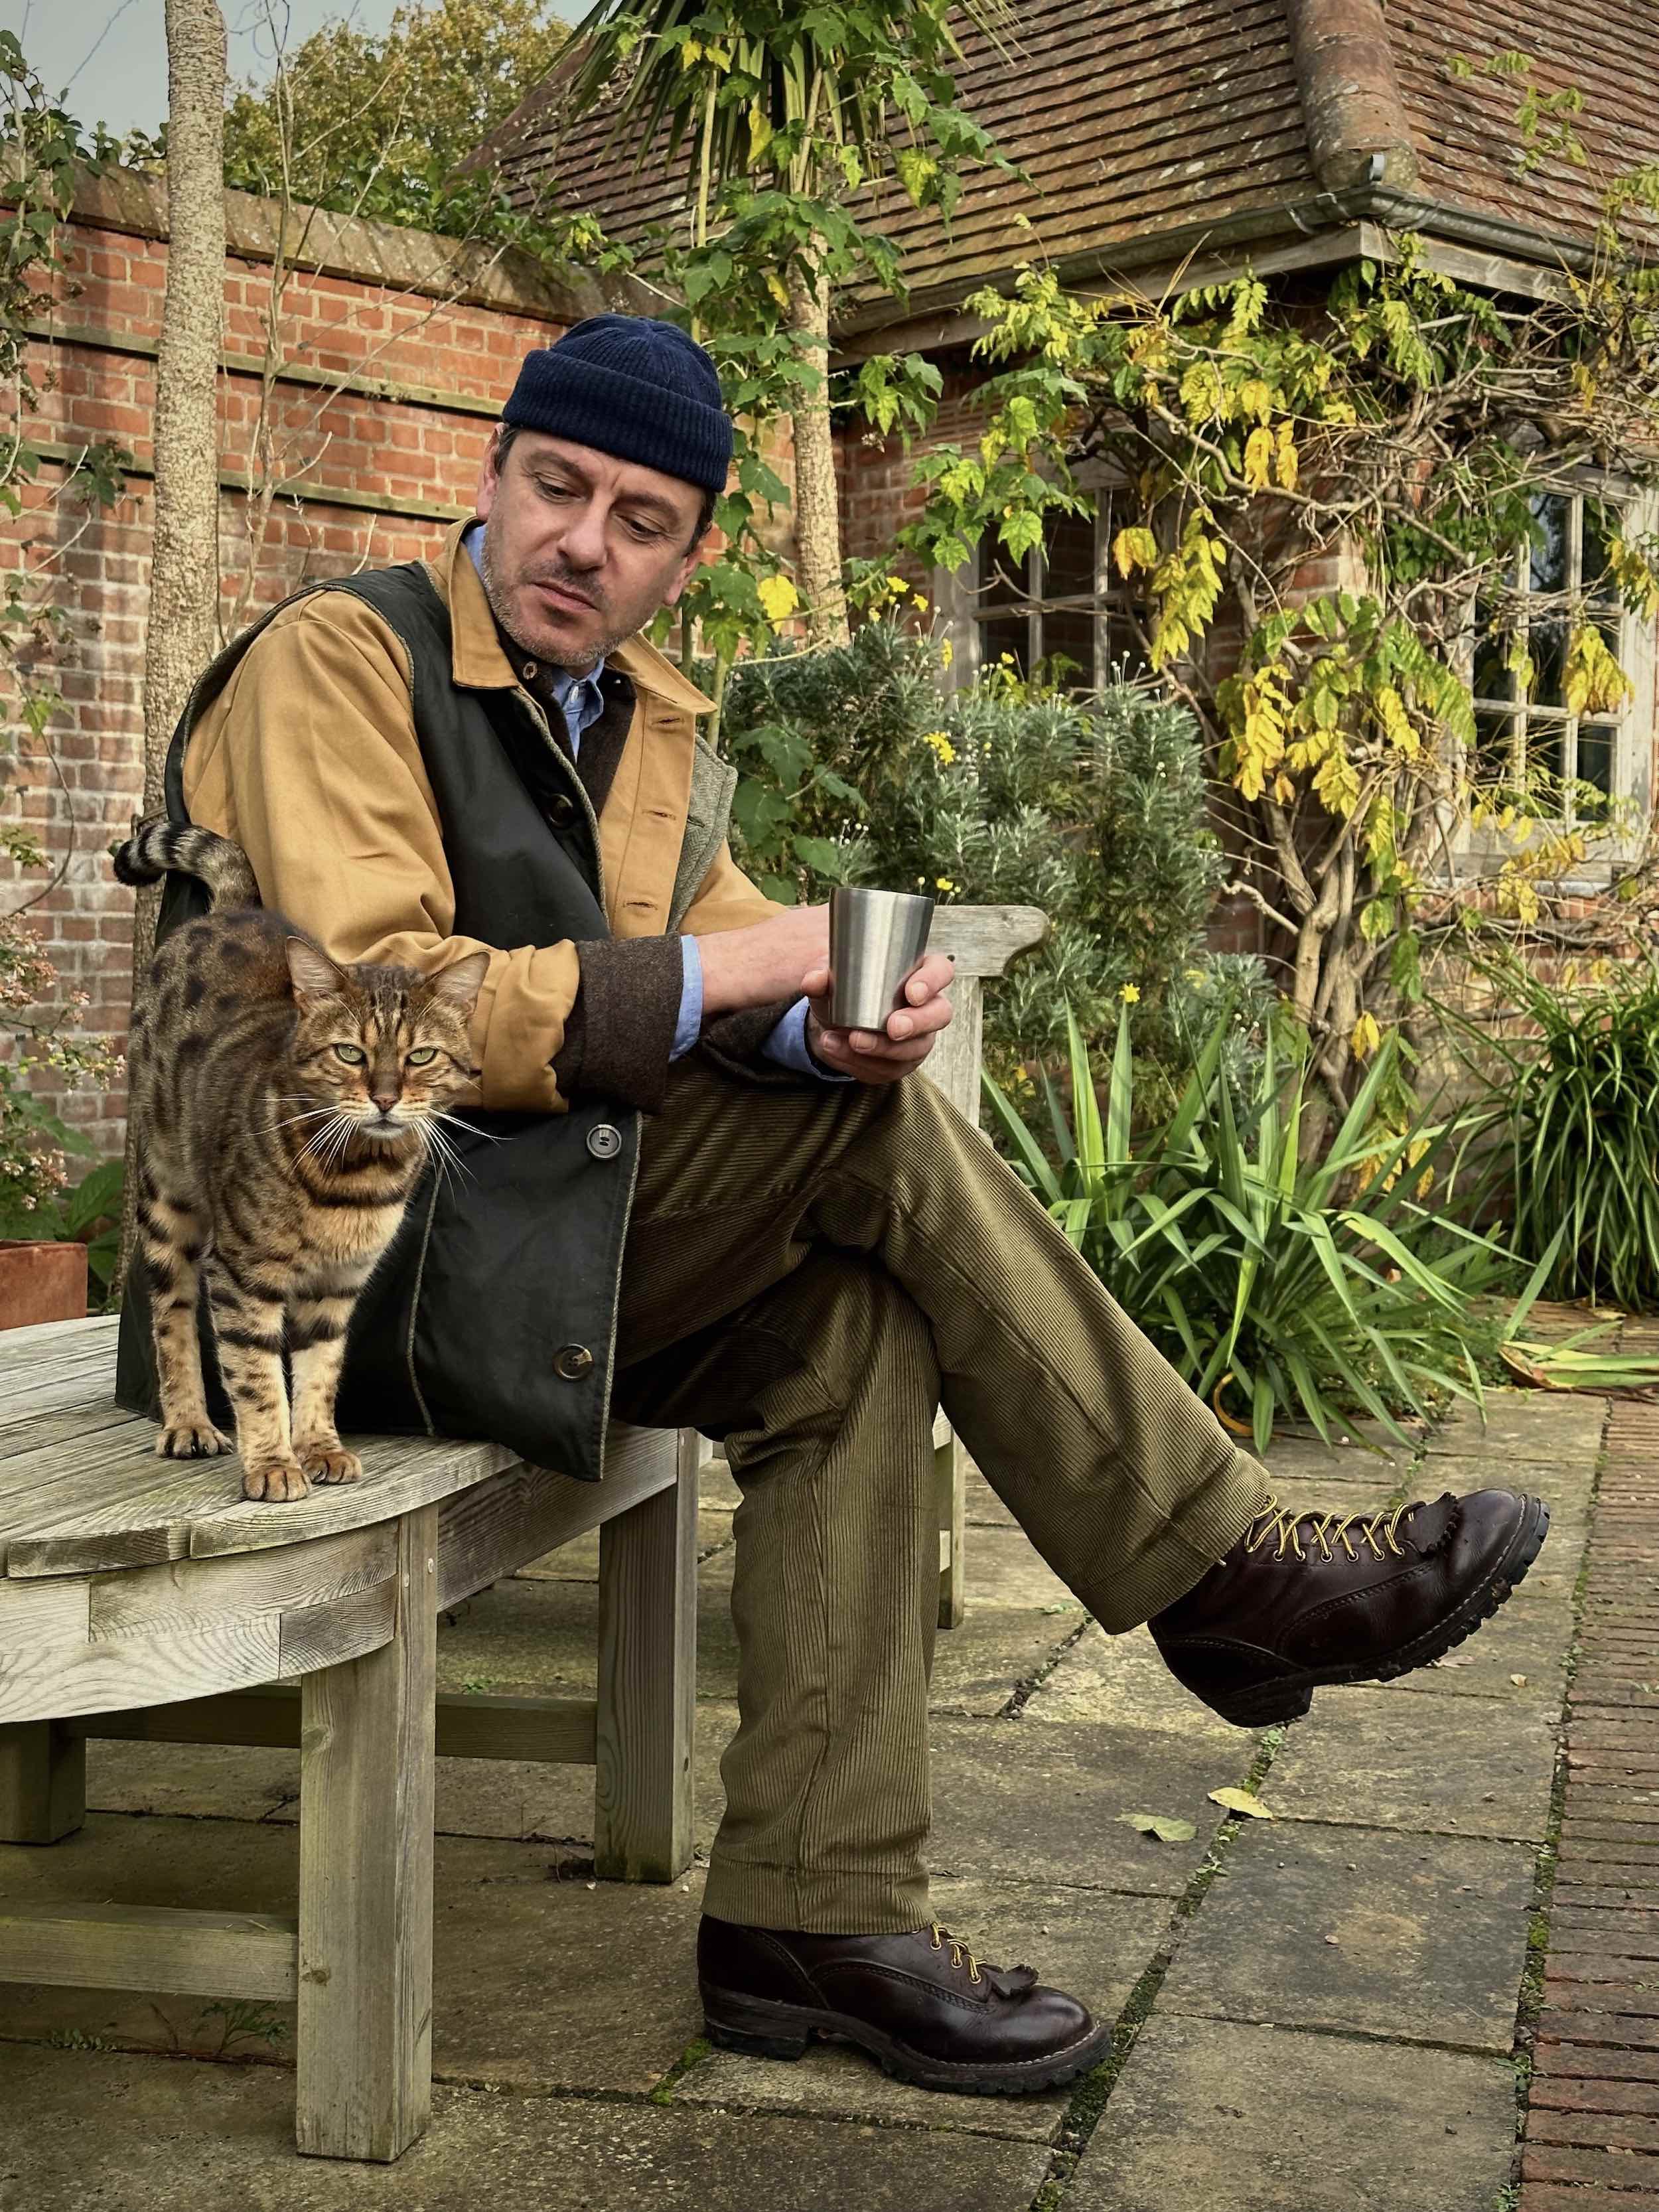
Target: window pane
1494,748
1595,568
1070,635
1595,756
1491,680
1548,571
1546,754
1010,636
1547,643
1001,577
1068,557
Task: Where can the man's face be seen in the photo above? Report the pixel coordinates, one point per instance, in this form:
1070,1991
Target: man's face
579,548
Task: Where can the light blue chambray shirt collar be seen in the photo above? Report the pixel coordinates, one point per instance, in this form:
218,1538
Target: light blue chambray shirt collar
578,698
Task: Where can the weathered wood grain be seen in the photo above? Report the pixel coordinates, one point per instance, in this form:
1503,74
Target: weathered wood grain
366,1815
323,1634
648,1668
43,1783
401,1475
194,1593
491,1530
135,1670
555,1731
149,1947
34,1614
983,939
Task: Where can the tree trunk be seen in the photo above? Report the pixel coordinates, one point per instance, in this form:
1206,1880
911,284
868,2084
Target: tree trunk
184,589
817,517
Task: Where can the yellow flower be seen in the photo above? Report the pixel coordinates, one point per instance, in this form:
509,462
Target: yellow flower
898,583
943,883
919,601
946,652
941,745
1130,994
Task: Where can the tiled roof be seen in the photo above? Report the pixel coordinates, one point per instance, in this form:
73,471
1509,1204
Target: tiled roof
1135,118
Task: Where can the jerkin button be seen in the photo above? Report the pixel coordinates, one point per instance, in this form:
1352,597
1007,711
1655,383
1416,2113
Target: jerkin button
561,811
604,1141
573,1361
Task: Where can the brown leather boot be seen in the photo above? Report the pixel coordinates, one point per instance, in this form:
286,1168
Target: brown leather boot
921,2003
1351,1597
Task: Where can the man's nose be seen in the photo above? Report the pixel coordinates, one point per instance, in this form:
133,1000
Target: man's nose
583,543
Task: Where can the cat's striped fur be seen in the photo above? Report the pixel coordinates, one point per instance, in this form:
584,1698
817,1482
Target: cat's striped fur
288,1106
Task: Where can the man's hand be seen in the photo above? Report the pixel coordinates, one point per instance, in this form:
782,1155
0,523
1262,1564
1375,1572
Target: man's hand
908,1037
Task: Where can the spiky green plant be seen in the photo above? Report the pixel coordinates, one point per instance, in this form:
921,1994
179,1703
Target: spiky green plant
1279,1287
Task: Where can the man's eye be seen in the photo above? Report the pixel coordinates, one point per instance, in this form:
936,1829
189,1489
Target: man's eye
353,1054
420,1056
644,533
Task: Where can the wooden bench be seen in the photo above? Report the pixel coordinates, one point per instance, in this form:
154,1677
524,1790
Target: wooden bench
145,1598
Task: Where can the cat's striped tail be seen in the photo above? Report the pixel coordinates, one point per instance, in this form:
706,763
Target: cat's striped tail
158,845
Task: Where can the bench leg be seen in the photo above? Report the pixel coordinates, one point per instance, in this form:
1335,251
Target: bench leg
647,1682
366,1814
43,1782
950,1476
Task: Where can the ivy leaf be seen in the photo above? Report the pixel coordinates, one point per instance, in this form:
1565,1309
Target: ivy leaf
1163,1826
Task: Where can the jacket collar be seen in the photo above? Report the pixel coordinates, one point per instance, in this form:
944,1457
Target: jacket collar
477,662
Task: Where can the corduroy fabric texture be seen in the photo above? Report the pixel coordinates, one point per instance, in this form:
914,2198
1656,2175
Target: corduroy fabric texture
634,387
809,1273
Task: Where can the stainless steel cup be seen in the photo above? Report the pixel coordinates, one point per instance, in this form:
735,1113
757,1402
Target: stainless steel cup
877,941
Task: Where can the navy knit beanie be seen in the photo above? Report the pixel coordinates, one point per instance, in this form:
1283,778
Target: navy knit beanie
633,387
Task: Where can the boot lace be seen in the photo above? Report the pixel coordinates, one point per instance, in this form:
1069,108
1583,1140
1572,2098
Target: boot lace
959,1950
1375,1530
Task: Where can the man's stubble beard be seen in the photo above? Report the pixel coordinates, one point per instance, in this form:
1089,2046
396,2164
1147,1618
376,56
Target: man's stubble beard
557,655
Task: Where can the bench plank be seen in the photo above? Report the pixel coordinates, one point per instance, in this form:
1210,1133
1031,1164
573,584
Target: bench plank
152,1946
324,1635
186,1594
43,1783
551,1731
135,1670
983,939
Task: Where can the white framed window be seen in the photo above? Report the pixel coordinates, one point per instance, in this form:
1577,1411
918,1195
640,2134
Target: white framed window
1527,739
1063,609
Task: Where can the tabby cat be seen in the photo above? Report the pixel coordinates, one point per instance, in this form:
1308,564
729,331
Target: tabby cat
288,1106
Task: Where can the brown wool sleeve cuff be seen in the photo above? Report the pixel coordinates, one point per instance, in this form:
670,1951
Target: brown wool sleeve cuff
737,1042
619,1035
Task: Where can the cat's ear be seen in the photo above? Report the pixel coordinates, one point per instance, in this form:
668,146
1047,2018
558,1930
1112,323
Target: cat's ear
311,973
461,982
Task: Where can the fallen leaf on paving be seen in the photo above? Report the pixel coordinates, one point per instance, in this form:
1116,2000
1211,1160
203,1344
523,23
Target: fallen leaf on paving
1519,1680
1240,1801
1453,1659
1330,1939
1163,1826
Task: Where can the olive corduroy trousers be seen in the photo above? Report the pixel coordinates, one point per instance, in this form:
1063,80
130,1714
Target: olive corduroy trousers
809,1273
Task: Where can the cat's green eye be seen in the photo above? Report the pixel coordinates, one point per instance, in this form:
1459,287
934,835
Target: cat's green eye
353,1054
420,1056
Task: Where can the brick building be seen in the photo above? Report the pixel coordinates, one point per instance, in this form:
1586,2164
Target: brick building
362,365
1175,143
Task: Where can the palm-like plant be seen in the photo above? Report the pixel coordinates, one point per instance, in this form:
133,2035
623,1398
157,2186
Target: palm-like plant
1317,1288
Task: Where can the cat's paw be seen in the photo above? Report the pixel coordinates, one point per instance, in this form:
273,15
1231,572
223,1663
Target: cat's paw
277,1481
328,1461
192,1440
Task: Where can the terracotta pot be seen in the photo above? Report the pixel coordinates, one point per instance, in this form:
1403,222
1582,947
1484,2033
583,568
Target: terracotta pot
41,1282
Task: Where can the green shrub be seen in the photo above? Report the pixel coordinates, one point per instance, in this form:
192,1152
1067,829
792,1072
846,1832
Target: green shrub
857,768
1572,1120
1277,1287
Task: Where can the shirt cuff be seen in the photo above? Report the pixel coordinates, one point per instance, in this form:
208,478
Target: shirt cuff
788,1045
689,1026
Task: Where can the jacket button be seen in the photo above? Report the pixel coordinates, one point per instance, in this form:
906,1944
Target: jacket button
572,1362
561,811
604,1141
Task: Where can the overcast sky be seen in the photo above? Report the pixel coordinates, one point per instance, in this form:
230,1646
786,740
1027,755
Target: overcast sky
112,58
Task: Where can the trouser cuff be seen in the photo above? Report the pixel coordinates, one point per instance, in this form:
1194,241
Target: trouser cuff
1213,1516
816,1904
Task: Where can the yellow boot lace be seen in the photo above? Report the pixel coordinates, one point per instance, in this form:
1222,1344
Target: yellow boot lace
1375,1530
959,1950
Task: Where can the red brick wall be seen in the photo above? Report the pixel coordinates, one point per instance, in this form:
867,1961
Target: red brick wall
365,477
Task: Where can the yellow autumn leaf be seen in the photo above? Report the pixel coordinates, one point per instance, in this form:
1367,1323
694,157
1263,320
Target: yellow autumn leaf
777,288
1366,1038
1258,459
1240,1800
778,597
1287,464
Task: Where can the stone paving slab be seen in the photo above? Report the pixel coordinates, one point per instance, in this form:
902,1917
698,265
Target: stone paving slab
1530,1636
202,2137
1208,2115
1096,1946
1018,1801
1525,1427
1122,1680
1369,1757
1384,1933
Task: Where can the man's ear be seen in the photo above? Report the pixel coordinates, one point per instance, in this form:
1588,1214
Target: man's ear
311,971
490,476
